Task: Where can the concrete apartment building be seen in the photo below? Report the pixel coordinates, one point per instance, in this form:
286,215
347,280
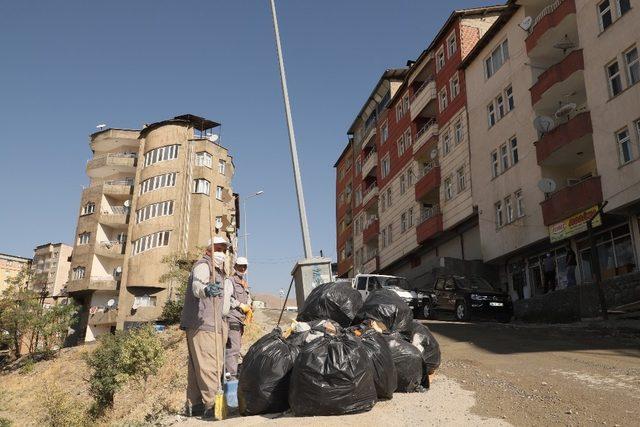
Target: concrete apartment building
50,268
10,266
153,192
577,63
412,203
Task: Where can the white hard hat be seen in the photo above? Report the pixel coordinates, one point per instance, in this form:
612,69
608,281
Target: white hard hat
242,261
217,240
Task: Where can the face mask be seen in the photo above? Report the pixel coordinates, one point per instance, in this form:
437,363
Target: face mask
219,258
240,273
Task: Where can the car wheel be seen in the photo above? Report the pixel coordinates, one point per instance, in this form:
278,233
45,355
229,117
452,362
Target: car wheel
462,312
427,311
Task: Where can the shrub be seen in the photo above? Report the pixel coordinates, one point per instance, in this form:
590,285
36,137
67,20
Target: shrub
60,410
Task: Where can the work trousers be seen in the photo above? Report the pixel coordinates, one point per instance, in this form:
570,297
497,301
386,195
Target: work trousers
205,365
234,342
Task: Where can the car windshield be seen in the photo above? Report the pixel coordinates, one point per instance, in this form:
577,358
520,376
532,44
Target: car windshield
400,282
474,283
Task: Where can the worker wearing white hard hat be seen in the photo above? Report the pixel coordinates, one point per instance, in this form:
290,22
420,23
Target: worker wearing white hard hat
239,315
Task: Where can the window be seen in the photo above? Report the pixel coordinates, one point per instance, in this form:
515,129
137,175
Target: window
443,99
168,152
145,301
448,189
513,146
499,215
410,177
383,202
495,166
385,166
615,81
383,237
161,238
446,143
504,157
201,186
462,183
440,59
158,181
83,238
389,196
219,191
89,208
454,86
403,222
358,197
509,208
606,17
385,132
491,114
457,131
497,58
451,45
508,93
624,146
403,184
399,112
405,104
407,138
358,166
400,144
154,210
204,159
633,66
500,105
519,204
78,273
623,6
222,167
390,233
410,217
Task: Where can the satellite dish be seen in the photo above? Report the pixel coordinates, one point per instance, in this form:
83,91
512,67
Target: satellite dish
565,44
118,270
135,306
543,124
111,303
101,126
213,138
434,153
547,185
526,23
565,110
127,203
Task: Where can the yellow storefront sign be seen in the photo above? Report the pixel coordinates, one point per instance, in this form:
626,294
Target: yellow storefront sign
574,225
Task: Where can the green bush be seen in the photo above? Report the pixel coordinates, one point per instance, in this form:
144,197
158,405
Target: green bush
130,355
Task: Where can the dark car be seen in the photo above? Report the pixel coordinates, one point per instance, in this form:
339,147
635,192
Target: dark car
466,296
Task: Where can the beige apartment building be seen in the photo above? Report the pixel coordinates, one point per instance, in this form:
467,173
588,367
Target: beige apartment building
153,192
50,268
10,266
555,134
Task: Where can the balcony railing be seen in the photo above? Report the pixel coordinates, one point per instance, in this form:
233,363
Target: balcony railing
96,283
421,88
425,94
571,200
119,182
110,248
371,230
557,73
549,17
563,135
430,224
370,162
369,194
428,181
544,12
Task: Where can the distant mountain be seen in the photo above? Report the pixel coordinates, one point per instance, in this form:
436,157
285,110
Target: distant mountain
272,301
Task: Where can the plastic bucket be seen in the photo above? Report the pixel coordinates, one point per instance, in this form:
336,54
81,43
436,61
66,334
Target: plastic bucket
231,393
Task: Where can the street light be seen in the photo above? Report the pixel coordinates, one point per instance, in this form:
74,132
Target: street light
244,213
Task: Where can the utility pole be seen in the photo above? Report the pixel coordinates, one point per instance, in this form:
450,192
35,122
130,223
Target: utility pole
595,262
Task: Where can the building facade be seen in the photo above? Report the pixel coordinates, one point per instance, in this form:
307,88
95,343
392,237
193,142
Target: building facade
153,193
50,268
10,266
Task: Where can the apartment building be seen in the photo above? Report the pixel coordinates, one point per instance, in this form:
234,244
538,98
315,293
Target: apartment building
344,209
50,268
10,266
153,192
553,114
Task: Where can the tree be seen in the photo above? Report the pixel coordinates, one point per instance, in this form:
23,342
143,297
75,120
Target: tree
177,277
19,308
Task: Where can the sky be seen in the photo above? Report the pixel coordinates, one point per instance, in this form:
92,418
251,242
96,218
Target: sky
66,66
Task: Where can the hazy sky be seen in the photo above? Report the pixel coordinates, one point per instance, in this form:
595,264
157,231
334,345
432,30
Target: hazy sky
66,66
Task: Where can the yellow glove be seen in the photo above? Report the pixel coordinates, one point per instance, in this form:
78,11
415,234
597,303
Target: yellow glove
248,316
245,308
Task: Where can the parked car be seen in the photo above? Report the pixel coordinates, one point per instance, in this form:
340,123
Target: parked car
366,283
467,296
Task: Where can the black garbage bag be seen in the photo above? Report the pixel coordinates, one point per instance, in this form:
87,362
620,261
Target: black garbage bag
408,362
306,332
263,384
384,371
386,306
332,376
335,301
422,338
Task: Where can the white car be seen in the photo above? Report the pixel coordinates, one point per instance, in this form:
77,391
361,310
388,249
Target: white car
366,283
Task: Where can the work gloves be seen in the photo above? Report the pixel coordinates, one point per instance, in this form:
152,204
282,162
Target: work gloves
248,312
213,290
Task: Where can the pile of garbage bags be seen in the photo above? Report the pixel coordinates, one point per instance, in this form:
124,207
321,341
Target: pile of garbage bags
340,356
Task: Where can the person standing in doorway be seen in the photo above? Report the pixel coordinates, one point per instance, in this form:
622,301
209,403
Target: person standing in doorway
238,316
549,273
206,303
571,263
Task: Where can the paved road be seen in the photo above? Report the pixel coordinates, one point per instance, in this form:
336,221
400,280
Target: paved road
541,375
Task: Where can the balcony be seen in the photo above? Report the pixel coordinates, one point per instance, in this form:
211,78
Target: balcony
429,182
571,200
370,163
562,143
551,22
115,216
368,134
569,72
111,249
371,231
371,266
111,163
421,99
344,266
105,317
369,195
121,187
427,135
106,283
430,225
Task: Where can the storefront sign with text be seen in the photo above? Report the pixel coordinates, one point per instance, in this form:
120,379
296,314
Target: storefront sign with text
573,225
